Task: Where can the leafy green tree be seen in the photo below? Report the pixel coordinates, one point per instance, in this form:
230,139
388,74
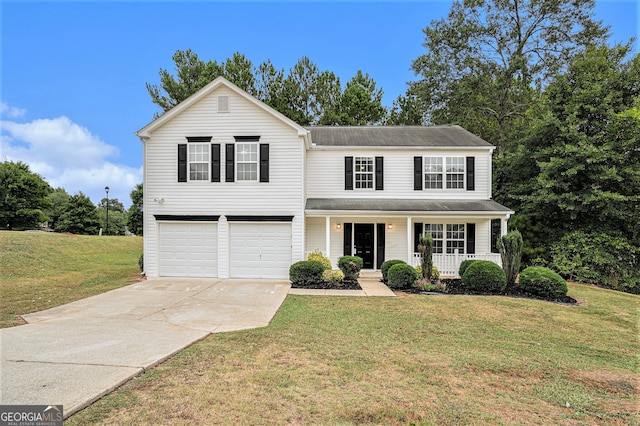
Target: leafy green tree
23,197
80,216
483,59
135,214
406,111
360,104
58,199
117,216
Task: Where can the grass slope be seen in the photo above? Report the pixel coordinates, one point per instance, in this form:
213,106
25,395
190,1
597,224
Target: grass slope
432,360
42,270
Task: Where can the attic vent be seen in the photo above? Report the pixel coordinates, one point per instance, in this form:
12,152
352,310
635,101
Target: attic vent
223,104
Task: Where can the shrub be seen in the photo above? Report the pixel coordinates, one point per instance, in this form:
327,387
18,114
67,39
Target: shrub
425,285
510,247
317,255
543,282
350,267
464,265
425,247
598,258
384,268
402,275
435,274
484,276
306,273
333,277
141,262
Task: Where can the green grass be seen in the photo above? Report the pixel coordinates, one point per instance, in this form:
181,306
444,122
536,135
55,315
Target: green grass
431,360
43,270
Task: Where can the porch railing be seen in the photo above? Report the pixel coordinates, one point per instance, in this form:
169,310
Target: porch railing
448,264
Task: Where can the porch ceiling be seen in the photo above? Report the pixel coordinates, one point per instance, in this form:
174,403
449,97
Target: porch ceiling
406,206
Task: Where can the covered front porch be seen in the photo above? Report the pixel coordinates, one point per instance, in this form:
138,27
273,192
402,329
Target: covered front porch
461,230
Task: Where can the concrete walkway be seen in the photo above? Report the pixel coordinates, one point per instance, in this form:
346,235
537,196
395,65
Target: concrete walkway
76,353
369,281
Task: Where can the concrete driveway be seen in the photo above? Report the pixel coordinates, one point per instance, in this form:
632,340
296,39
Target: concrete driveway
74,354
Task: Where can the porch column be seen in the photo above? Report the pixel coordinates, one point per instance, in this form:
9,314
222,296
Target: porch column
327,237
409,241
503,225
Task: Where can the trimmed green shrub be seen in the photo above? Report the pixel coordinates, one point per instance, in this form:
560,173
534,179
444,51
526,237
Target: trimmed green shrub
401,276
464,265
306,273
350,267
141,262
333,277
384,268
543,282
484,276
435,274
510,247
317,255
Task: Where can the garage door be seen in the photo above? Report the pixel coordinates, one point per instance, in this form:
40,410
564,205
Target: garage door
260,250
188,249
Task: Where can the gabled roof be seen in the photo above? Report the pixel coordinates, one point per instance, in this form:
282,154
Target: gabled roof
395,136
146,131
406,206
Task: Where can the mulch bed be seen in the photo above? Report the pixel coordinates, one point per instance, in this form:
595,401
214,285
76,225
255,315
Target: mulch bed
346,285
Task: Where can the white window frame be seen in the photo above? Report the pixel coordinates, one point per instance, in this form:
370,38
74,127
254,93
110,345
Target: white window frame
252,146
198,154
364,176
455,172
445,172
433,168
436,230
455,238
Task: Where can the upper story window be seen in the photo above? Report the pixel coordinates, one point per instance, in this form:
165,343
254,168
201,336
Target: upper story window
433,173
363,176
455,172
247,161
198,159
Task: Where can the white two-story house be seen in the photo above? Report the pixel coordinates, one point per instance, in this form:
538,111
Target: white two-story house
234,189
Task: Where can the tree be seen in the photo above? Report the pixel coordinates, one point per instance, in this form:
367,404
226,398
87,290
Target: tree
23,197
406,111
80,216
510,247
117,216
239,70
58,199
484,58
360,104
135,215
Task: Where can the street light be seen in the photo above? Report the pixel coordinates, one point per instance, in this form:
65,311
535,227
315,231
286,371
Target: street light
106,188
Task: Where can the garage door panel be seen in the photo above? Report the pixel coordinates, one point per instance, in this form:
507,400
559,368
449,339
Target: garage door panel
260,250
188,249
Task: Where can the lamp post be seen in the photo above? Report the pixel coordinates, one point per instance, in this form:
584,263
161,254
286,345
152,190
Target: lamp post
106,188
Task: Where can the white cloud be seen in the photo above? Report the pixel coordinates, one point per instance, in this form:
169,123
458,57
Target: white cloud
67,155
11,112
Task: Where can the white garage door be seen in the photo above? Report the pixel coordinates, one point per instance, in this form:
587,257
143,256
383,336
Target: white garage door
260,250
188,249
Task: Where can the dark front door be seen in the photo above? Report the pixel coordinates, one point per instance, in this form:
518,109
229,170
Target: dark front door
363,242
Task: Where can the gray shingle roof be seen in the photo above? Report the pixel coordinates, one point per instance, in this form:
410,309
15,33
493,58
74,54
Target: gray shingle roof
427,206
431,136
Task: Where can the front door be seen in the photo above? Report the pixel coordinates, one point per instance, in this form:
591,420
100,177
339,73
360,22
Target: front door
363,242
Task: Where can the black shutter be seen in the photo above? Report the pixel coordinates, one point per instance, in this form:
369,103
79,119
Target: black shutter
417,173
215,162
264,162
379,173
229,162
417,233
347,239
381,245
471,238
348,173
182,162
471,173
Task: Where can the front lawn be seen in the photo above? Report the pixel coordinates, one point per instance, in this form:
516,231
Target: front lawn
407,360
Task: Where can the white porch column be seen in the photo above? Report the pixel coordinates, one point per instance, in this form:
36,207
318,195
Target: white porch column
409,242
327,237
503,225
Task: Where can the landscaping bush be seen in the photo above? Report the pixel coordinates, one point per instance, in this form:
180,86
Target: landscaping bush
464,265
510,247
402,276
141,262
484,276
435,274
543,282
384,268
350,267
425,247
333,277
306,273
317,255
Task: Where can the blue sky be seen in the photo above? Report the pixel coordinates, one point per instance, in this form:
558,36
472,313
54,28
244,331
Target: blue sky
72,91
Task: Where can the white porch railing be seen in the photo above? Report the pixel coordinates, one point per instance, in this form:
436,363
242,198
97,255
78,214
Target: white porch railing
448,264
